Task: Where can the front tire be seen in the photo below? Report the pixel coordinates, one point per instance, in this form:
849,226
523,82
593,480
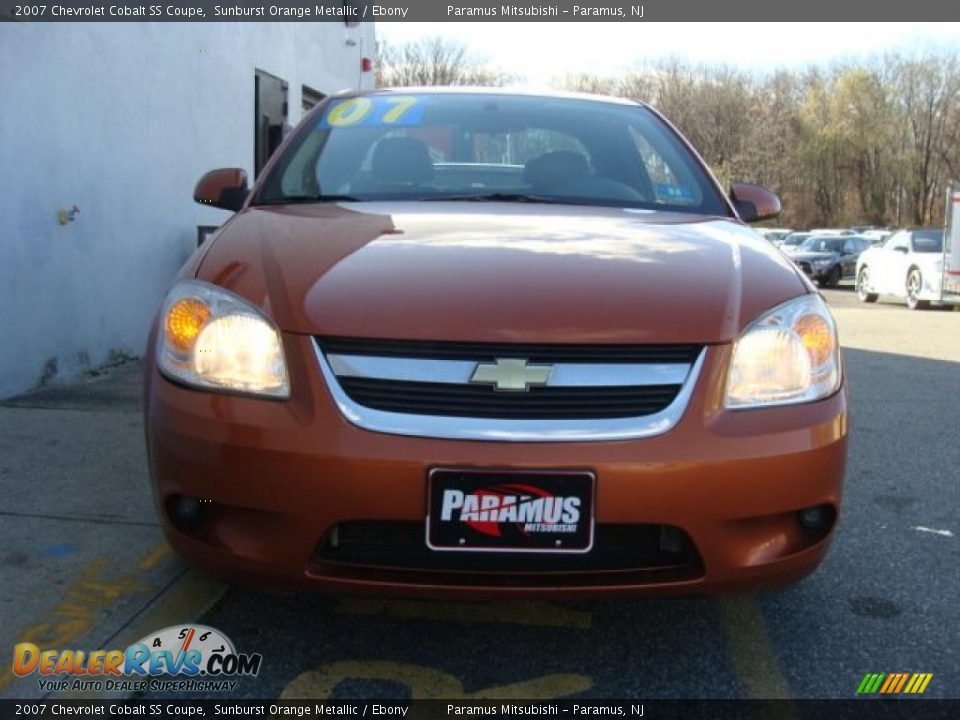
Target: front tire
914,284
863,283
832,279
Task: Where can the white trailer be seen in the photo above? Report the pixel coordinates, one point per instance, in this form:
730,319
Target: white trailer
950,287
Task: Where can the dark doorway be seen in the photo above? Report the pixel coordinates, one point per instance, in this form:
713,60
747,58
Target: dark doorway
270,115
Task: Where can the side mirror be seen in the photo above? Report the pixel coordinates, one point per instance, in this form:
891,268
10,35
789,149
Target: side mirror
900,249
754,203
224,188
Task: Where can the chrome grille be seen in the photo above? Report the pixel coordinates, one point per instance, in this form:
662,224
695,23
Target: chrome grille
425,398
488,391
534,353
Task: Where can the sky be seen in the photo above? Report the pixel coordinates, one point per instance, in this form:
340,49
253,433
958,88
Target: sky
537,52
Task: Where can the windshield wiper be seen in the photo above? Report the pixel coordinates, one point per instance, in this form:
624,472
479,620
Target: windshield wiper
497,197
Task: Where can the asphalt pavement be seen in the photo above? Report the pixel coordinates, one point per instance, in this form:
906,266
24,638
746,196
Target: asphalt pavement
83,563
884,600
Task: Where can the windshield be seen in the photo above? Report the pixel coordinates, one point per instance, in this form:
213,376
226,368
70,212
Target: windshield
928,241
497,147
823,244
795,238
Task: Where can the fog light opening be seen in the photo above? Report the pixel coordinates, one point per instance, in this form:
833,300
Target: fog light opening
333,539
815,519
672,540
185,511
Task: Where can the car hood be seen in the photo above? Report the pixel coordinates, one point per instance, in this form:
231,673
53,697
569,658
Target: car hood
499,272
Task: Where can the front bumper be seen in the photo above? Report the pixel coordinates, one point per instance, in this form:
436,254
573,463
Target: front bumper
277,478
814,272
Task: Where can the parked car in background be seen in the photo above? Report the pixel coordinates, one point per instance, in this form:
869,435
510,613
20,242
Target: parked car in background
832,231
878,236
774,235
792,241
827,259
909,266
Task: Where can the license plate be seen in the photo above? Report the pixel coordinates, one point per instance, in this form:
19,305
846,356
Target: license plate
504,511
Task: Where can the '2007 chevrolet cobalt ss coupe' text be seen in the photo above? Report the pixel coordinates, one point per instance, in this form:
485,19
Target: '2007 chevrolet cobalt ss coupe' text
483,343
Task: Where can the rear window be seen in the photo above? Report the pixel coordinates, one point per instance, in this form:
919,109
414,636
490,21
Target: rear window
436,147
928,241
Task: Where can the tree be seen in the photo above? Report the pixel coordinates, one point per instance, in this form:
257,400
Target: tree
861,142
928,89
433,61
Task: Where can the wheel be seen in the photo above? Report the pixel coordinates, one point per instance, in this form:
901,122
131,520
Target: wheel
914,283
832,279
863,282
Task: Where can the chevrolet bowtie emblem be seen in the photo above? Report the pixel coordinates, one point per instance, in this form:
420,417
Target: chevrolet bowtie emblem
511,374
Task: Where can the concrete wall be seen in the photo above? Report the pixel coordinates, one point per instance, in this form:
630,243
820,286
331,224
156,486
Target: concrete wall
121,120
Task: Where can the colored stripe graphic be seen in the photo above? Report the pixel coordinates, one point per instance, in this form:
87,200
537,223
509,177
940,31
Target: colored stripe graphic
892,679
871,683
903,681
918,683
894,683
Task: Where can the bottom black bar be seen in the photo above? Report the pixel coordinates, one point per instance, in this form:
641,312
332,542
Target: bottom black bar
865,709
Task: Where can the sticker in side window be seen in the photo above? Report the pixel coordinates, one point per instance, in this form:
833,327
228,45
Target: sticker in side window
375,111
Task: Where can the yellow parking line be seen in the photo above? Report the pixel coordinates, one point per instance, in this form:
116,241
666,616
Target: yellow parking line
751,653
154,556
520,612
83,602
96,588
190,596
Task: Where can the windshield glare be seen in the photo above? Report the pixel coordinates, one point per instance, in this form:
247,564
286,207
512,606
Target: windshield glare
823,244
436,146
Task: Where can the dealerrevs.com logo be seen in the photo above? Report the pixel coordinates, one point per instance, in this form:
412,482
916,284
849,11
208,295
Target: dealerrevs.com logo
178,658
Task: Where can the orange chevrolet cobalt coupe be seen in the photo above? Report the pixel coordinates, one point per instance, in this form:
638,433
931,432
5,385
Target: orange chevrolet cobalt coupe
480,343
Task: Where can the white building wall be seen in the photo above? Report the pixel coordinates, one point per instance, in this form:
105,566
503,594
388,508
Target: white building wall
122,120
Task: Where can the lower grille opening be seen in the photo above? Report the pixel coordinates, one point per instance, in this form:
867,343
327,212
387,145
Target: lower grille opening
400,546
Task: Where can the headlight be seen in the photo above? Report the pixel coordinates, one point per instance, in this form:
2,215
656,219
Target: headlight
790,355
210,338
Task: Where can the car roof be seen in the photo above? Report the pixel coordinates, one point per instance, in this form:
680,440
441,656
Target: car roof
478,90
